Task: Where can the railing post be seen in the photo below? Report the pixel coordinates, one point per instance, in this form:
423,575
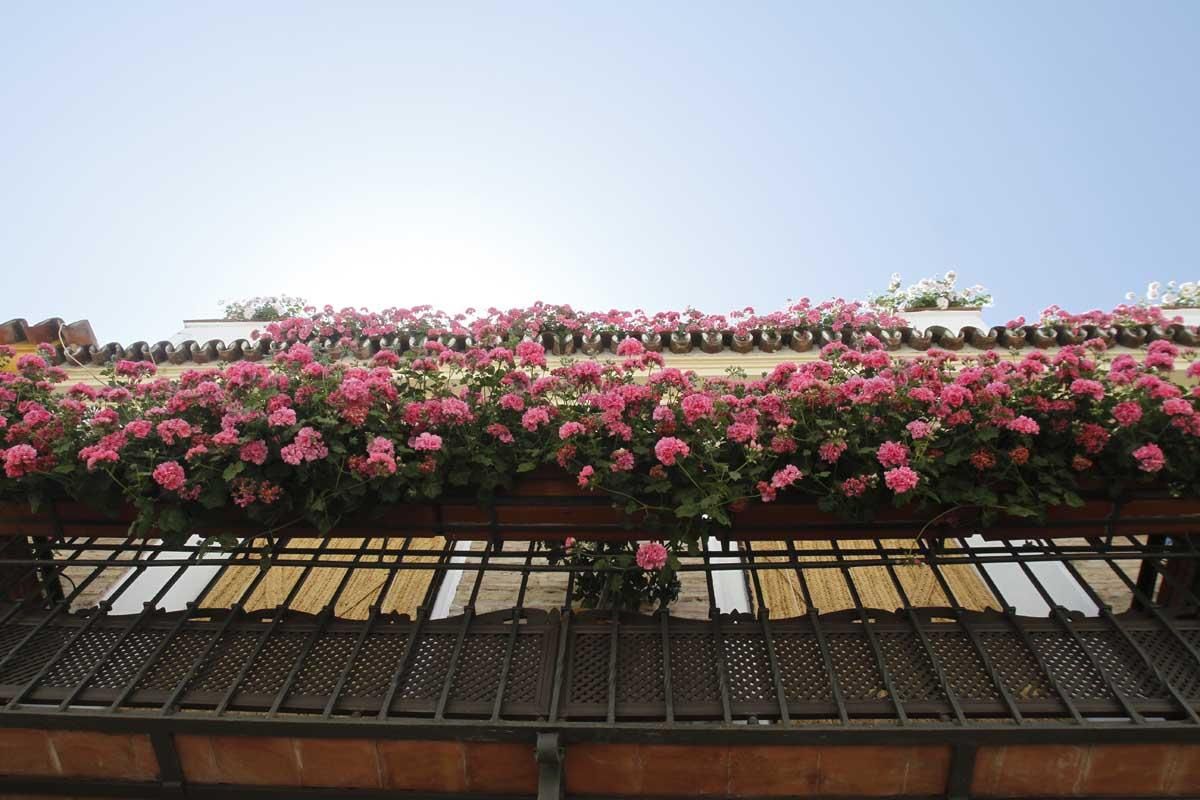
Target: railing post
549,756
962,772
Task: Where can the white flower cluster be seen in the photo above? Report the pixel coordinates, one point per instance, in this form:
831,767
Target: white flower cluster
1173,295
264,308
941,293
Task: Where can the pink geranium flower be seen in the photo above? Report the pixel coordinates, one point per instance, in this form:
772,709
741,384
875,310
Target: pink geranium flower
669,449
901,479
892,454
20,459
1150,458
1024,424
569,429
426,441
622,460
170,476
831,451
919,429
535,417
585,476
1127,413
651,556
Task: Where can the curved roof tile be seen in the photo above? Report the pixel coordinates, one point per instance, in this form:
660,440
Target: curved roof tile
213,351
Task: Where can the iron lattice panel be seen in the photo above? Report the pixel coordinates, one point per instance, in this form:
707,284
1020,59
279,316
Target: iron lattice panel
737,644
250,662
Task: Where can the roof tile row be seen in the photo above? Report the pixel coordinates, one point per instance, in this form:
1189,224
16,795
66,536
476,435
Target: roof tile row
800,341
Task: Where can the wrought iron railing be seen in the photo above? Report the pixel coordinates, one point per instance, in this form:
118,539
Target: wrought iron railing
1134,656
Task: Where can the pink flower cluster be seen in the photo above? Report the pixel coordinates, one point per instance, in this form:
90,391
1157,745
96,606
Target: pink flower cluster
307,446
668,449
651,556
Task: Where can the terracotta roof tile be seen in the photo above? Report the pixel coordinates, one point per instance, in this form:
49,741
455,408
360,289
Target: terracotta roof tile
20,331
216,351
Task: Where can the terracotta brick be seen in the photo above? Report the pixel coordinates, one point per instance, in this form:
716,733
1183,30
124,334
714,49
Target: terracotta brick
1126,770
197,760
603,769
928,770
1184,777
256,760
26,752
88,754
862,770
422,766
774,771
339,763
1028,770
501,768
682,769
988,763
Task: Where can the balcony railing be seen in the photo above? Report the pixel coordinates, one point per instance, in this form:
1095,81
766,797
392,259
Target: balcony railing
1112,656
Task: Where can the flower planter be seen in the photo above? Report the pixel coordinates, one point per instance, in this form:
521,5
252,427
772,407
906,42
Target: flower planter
592,344
801,340
681,342
543,505
955,319
712,341
1142,513
548,506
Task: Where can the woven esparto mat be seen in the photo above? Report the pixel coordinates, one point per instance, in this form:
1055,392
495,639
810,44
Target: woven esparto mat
782,594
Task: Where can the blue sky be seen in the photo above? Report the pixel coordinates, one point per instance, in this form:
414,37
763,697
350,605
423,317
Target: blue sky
156,158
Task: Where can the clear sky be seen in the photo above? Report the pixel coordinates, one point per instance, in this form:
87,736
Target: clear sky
156,158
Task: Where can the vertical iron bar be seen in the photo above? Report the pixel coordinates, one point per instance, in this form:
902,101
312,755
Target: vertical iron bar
872,640
664,618
614,646
714,615
1010,616
1111,619
517,613
1172,580
264,638
764,621
42,571
62,605
418,622
814,619
318,630
1155,611
235,611
914,620
960,616
1059,615
59,566
560,658
365,632
147,608
1146,574
101,612
189,609
468,614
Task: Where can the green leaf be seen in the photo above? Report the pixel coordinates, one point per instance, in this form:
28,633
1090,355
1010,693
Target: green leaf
172,519
1020,511
526,466
233,470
